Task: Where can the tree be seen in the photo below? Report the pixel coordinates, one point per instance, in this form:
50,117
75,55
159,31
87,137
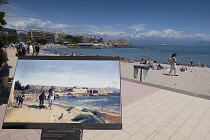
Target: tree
2,20
74,39
60,42
100,40
24,39
77,39
12,38
69,37
27,87
8,38
18,85
3,37
42,41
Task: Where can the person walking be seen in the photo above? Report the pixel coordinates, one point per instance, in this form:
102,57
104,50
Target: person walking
21,99
173,62
17,98
23,50
30,48
50,100
4,68
42,89
51,96
19,49
36,49
42,97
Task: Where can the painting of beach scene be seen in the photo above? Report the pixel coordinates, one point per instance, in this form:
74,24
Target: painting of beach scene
65,91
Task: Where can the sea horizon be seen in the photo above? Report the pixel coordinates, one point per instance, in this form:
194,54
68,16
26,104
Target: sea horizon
159,53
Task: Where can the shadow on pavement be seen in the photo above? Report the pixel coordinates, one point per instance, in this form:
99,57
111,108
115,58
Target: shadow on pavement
4,93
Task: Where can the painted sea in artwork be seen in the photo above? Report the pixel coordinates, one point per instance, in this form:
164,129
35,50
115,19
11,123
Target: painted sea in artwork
111,102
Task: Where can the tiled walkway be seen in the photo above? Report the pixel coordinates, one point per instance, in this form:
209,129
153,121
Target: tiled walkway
149,113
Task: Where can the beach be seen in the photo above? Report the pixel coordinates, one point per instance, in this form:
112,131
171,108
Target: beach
195,80
30,112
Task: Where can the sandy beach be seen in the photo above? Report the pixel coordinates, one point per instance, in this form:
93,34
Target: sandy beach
30,112
195,80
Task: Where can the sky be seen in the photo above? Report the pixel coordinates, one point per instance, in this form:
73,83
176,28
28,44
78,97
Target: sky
69,73
135,20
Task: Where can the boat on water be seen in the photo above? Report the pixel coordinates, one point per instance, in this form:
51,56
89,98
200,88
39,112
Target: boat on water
164,45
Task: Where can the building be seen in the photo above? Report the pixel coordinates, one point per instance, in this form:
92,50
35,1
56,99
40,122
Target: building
59,36
50,37
36,34
88,40
22,35
8,31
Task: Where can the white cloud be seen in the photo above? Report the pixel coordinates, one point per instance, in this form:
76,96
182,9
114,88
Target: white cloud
169,33
137,27
106,26
31,23
203,37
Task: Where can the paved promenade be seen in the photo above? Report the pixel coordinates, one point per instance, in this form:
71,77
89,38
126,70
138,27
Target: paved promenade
149,113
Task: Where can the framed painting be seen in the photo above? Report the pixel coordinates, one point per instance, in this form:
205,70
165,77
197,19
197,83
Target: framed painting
65,92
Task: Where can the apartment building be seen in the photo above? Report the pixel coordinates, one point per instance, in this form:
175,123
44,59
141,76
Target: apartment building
38,34
8,31
59,36
22,34
50,37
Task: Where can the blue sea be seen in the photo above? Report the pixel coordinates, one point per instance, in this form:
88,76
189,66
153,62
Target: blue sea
159,53
93,102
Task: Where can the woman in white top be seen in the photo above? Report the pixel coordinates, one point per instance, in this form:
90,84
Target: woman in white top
172,63
30,48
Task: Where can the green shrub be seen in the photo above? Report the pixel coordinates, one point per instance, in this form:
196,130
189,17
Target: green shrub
86,118
70,108
85,110
81,117
96,113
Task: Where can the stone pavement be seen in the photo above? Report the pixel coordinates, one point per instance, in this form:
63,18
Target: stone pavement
148,113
